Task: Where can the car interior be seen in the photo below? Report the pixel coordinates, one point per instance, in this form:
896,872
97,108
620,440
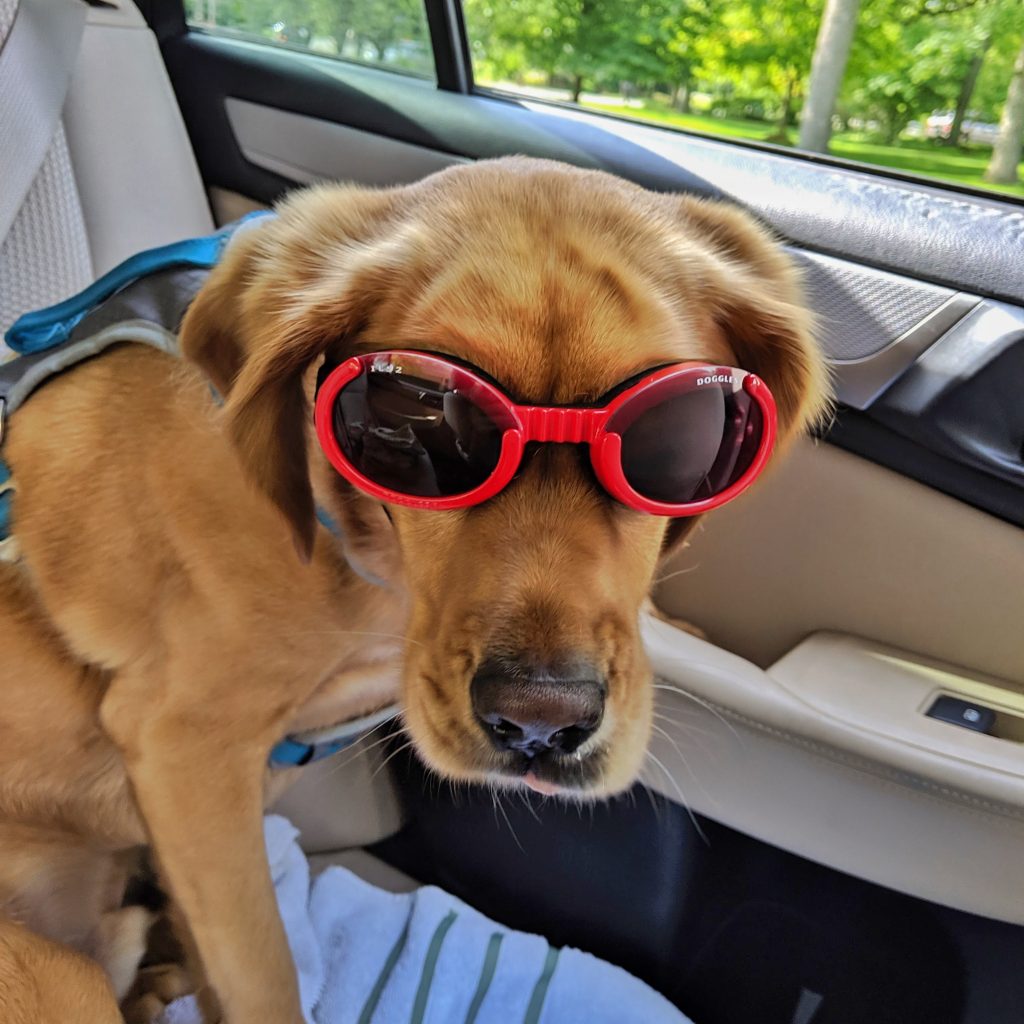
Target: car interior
830,828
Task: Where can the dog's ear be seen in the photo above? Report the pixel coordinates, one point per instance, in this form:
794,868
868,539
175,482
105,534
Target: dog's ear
753,292
286,291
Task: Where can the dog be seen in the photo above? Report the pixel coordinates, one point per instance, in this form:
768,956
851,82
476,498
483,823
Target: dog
178,608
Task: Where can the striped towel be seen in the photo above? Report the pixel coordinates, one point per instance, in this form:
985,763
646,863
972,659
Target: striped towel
366,956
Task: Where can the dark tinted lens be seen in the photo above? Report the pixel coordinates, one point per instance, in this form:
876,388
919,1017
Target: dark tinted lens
692,445
416,435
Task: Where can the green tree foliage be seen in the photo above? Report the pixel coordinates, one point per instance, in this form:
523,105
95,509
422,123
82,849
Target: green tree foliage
585,44
392,32
910,59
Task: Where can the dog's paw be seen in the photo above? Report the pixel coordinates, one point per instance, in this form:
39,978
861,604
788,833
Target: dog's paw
155,987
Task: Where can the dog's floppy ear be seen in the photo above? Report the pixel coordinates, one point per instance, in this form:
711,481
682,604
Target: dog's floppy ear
287,290
752,290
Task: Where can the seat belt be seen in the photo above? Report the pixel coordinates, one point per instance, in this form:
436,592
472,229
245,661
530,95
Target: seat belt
36,62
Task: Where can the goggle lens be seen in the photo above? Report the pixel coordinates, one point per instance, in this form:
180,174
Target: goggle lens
689,439
419,428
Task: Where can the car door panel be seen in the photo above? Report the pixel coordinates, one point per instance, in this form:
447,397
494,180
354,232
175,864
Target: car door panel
889,806
830,541
308,149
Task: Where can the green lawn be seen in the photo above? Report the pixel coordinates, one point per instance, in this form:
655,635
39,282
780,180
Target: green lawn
923,157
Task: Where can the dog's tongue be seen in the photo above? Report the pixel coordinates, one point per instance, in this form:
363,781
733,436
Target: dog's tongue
539,785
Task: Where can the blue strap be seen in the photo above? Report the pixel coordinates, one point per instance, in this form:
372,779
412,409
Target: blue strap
294,751
327,521
291,753
6,494
44,328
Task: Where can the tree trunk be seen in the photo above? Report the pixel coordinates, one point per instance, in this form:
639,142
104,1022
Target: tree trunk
966,92
831,52
681,98
892,129
787,105
577,87
1002,168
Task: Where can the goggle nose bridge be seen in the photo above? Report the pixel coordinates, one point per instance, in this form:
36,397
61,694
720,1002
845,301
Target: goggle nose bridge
561,426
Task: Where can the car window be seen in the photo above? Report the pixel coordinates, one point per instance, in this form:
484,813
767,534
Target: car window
387,33
923,87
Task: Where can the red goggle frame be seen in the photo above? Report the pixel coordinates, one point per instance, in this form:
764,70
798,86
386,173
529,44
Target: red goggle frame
410,427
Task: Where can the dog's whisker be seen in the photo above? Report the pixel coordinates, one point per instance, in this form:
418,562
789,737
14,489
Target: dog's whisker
654,803
686,728
357,632
686,764
529,806
632,796
672,575
692,725
679,691
698,738
394,753
660,707
362,749
504,814
682,798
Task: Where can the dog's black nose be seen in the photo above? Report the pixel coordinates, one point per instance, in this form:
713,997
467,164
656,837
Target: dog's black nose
532,710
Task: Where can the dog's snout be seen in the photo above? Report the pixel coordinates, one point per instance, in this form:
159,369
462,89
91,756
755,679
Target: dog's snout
531,710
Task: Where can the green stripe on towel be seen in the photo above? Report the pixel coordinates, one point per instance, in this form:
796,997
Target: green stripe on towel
486,976
382,979
419,1007
540,990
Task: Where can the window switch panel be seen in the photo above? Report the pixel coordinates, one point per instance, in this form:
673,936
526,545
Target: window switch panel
964,713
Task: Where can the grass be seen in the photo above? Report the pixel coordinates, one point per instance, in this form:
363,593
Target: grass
911,156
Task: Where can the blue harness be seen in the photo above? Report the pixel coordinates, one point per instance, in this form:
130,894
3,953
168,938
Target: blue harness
141,300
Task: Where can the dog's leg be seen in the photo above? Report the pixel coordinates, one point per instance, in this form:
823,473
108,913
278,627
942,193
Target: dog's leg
197,760
43,982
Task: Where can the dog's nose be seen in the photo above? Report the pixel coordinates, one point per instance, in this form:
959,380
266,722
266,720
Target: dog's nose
532,710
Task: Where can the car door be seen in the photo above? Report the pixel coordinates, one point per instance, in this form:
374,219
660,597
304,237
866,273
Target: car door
857,697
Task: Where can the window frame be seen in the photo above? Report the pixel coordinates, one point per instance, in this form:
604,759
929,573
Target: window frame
453,65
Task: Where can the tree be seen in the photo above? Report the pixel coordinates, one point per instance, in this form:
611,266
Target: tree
678,26
585,43
761,49
1002,168
831,53
904,65
967,87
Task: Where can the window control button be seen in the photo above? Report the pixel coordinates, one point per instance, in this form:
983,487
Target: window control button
964,713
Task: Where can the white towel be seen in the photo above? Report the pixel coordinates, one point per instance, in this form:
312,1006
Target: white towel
366,956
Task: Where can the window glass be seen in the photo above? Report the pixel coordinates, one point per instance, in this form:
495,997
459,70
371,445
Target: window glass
924,87
387,33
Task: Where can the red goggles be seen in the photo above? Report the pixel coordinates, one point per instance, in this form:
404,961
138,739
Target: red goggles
417,429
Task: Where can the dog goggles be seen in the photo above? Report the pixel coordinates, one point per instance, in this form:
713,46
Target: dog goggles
417,429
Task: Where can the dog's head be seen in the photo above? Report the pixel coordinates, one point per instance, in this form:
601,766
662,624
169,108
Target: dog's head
523,658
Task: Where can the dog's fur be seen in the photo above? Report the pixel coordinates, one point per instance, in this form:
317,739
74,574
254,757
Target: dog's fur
177,609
